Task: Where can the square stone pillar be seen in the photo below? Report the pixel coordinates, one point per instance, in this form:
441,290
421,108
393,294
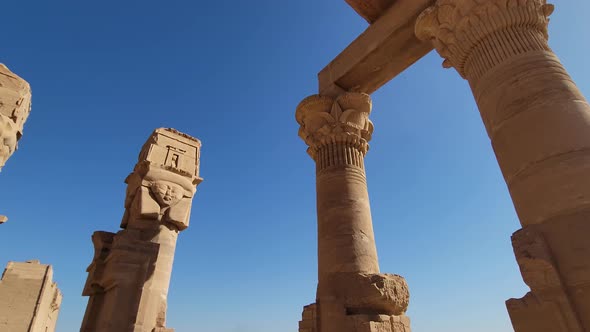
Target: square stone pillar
130,274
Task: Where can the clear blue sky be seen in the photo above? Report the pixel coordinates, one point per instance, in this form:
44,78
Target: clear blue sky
106,73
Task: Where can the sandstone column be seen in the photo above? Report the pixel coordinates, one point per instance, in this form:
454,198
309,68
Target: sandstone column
352,295
129,277
539,126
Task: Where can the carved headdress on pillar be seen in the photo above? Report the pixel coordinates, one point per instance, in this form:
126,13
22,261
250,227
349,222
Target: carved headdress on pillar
131,270
163,183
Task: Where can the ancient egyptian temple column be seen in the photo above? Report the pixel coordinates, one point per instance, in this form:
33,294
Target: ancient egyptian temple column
352,295
129,277
539,126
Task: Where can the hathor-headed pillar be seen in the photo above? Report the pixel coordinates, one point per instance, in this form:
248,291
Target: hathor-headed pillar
129,277
352,295
539,125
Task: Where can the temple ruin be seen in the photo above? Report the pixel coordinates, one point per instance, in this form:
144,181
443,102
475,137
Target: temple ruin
130,274
536,118
29,299
539,126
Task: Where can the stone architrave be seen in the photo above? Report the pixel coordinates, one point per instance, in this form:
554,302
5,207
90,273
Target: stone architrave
539,125
352,295
129,277
29,299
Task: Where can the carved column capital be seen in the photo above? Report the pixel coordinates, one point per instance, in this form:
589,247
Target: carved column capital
475,35
344,120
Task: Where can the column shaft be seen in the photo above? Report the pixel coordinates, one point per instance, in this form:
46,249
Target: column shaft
539,126
345,230
352,295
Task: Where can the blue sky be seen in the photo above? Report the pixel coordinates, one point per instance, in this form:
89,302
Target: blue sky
105,74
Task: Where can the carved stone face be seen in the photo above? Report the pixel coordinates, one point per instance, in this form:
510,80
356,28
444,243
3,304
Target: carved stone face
8,139
167,193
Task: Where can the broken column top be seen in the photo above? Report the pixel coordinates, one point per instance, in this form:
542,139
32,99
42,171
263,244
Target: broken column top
174,151
15,106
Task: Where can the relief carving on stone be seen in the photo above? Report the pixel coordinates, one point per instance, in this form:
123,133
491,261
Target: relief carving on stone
326,121
548,297
15,106
151,201
458,28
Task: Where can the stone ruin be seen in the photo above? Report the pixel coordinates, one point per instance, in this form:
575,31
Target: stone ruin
29,299
539,126
537,120
129,276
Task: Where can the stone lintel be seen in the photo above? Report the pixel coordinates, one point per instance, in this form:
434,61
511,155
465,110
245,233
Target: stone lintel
370,10
384,50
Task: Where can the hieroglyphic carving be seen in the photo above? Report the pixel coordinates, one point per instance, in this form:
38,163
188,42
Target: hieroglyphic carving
473,36
129,277
15,106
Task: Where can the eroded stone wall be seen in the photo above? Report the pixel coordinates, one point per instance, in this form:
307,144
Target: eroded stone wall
29,299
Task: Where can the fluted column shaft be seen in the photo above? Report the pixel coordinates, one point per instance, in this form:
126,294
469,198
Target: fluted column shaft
338,136
539,126
345,230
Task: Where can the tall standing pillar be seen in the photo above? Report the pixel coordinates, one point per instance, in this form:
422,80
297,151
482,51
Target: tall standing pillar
352,295
130,274
539,126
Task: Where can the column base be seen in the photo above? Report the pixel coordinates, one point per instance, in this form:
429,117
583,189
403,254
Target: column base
358,302
356,323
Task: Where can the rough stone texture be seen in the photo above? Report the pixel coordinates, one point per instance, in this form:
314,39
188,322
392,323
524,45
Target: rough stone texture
130,274
309,319
539,126
370,10
29,299
352,295
15,106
